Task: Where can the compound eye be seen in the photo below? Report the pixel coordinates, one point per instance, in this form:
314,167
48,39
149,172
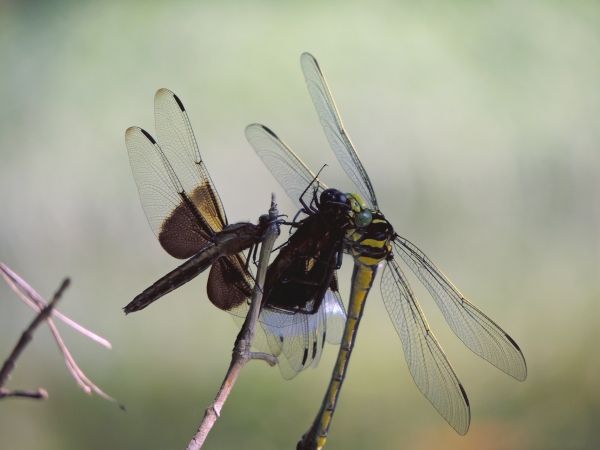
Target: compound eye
333,197
363,218
342,198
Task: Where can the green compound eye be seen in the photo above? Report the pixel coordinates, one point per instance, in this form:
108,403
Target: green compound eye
363,218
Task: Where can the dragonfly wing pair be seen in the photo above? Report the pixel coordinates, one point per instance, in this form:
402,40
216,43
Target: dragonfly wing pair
476,330
426,360
177,194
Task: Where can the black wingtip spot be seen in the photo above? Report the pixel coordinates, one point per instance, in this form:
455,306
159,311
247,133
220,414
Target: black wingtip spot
317,65
464,394
313,60
148,136
305,356
268,130
512,341
178,102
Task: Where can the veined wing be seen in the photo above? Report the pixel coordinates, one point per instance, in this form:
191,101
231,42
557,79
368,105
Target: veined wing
478,332
287,168
426,360
338,138
170,212
178,143
297,340
178,197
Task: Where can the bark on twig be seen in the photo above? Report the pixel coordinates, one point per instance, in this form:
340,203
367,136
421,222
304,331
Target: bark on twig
241,352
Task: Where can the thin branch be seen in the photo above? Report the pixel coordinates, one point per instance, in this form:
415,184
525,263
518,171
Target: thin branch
27,335
39,394
37,302
241,352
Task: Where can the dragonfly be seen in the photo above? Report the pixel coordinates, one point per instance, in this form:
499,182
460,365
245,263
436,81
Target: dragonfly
185,212
372,242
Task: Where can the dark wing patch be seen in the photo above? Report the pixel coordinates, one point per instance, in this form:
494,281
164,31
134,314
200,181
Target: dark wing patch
170,212
177,194
229,284
177,140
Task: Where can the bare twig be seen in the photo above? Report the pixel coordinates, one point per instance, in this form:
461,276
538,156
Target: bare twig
36,302
39,394
241,352
26,337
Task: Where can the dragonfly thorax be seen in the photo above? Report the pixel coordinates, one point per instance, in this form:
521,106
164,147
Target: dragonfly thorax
371,244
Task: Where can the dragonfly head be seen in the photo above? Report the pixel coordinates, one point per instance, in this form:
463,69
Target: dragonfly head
360,211
333,198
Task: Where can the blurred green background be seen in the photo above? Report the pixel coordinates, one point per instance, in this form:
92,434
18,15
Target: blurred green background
478,124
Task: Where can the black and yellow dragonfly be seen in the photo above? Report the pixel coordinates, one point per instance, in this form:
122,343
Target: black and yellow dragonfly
185,212
372,242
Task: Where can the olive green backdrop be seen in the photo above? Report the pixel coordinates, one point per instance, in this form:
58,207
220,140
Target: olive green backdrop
478,124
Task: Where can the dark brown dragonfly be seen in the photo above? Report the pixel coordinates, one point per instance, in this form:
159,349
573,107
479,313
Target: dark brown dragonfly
185,212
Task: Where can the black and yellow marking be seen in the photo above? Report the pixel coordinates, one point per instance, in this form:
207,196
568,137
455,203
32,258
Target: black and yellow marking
369,247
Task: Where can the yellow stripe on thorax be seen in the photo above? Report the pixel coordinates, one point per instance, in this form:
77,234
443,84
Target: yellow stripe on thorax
377,243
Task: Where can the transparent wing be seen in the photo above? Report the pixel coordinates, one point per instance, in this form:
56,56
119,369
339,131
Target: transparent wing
177,140
426,360
173,220
287,168
297,340
338,138
478,332
336,316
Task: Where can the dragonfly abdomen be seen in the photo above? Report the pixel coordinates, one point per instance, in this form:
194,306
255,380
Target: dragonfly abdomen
177,277
362,280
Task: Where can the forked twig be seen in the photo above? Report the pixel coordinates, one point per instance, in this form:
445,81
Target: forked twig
26,337
241,353
36,302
